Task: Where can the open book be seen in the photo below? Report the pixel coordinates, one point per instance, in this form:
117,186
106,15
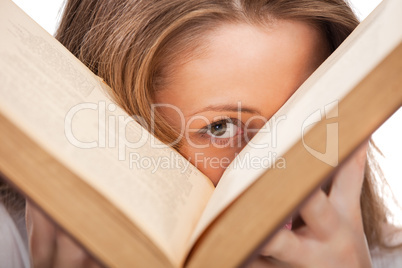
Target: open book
132,201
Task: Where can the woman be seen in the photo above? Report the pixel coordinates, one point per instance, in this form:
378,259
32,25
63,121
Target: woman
204,57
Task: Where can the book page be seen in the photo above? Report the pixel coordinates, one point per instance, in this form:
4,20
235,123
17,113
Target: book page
54,98
353,60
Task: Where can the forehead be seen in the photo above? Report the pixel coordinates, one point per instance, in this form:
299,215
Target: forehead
258,66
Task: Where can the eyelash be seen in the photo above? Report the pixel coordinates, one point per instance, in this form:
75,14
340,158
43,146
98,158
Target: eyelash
204,131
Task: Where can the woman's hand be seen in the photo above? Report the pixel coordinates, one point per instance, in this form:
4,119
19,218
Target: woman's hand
51,247
333,235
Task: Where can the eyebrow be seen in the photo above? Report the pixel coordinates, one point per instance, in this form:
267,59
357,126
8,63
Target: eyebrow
228,108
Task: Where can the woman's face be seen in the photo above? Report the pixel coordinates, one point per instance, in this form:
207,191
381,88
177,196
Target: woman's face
227,93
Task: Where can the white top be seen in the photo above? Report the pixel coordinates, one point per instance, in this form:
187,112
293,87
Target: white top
390,258
13,244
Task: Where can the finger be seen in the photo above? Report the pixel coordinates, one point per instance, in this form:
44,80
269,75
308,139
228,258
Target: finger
319,215
284,246
70,254
346,189
41,237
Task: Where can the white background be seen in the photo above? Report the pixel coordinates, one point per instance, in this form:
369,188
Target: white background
388,137
46,12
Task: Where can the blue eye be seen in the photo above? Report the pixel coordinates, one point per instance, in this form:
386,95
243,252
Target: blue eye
222,129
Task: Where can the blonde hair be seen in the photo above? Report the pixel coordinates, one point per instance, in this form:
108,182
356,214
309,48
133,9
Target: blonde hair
130,43
134,44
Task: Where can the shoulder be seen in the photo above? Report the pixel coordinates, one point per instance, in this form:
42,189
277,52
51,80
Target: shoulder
389,257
